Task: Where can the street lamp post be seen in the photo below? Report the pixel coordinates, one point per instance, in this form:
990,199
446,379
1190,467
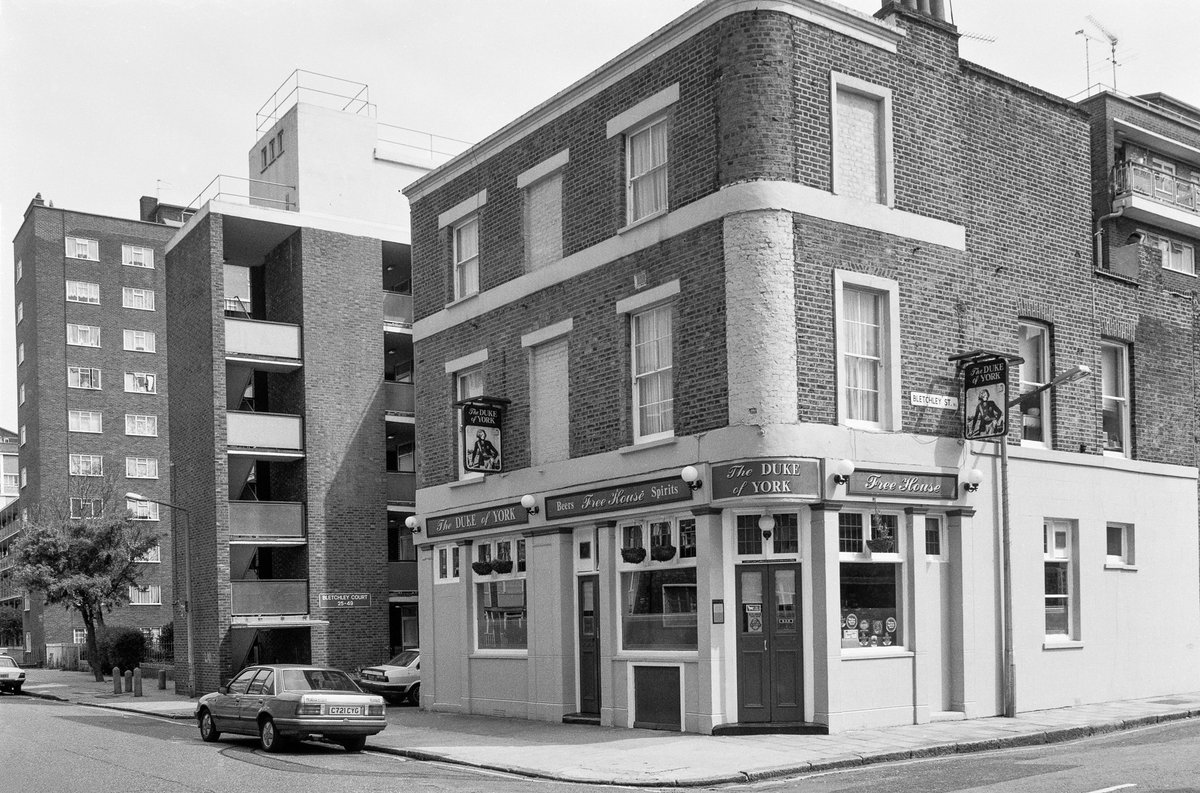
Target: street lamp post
187,582
1071,375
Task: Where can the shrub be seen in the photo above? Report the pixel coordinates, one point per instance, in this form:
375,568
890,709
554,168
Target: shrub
120,646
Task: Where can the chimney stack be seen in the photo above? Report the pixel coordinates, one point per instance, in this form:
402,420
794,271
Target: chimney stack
936,9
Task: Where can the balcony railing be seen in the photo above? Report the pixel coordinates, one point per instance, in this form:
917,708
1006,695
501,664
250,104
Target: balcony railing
398,397
401,487
240,190
267,431
7,562
255,338
397,308
277,520
402,576
269,597
1165,188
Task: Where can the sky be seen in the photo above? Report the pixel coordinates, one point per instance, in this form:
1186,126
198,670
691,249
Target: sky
104,101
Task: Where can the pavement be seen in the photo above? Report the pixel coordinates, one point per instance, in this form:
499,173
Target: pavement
650,758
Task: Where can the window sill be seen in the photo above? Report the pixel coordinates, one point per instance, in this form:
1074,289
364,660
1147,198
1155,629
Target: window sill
641,221
638,447
1062,644
486,653
1120,566
465,481
872,652
459,301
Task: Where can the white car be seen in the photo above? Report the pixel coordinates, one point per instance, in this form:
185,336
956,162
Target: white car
398,679
12,677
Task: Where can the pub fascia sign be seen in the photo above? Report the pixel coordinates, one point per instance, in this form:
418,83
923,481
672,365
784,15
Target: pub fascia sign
775,477
902,483
478,519
611,499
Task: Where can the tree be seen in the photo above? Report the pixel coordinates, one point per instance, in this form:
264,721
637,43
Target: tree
84,563
11,626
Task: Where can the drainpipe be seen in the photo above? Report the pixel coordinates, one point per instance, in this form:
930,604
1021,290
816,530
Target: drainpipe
1099,262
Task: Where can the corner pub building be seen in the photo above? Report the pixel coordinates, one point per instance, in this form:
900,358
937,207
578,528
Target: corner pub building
719,287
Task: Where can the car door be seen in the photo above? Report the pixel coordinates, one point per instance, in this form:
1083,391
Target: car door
224,707
260,688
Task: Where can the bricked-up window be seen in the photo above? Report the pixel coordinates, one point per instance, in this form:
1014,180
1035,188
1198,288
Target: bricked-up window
466,257
871,573
80,248
1118,550
1058,551
1176,255
1034,346
139,340
83,508
85,421
142,510
137,256
1115,387
86,465
868,362
150,595
142,299
549,391
542,209
83,292
141,467
83,335
83,377
141,383
136,424
862,146
653,390
646,160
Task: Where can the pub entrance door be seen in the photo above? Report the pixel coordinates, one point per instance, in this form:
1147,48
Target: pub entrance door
589,645
769,663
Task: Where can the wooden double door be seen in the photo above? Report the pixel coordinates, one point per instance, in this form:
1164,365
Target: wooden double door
770,668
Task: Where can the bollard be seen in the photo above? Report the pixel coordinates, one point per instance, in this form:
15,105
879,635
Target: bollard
137,682
128,680
116,673
162,679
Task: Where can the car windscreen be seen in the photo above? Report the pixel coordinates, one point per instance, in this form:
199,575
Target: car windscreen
7,662
316,680
404,659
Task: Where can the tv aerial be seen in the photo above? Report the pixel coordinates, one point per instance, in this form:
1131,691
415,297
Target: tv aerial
1109,37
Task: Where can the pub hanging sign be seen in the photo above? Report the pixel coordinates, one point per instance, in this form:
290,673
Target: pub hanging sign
985,397
482,431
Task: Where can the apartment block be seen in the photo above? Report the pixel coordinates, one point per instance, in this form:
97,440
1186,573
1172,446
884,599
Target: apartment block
699,447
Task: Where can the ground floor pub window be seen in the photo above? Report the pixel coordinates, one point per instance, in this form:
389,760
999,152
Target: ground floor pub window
870,604
501,614
659,609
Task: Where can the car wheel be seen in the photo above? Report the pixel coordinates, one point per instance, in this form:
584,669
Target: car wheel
354,743
269,738
414,694
208,728
17,688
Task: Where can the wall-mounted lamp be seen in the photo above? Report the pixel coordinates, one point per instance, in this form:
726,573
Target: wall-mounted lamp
530,504
413,524
842,471
765,524
974,477
691,477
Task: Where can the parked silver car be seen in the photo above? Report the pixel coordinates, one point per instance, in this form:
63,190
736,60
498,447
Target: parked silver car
283,703
12,677
398,679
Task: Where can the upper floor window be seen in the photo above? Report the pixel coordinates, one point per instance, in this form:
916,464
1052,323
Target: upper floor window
132,297
85,421
862,141
141,425
142,510
83,335
150,595
542,186
141,383
1176,255
81,508
20,270
137,256
868,359
646,161
468,383
1034,347
1115,387
139,340
20,353
20,311
141,467
83,292
466,257
83,377
80,248
86,465
652,367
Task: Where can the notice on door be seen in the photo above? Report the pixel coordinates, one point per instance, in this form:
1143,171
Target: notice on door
752,618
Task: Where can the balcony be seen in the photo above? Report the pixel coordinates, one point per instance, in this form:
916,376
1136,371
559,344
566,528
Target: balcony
398,309
270,346
270,521
267,435
402,576
398,398
401,487
269,597
1158,198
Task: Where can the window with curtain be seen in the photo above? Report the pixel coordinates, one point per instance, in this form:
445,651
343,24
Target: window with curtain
466,258
646,156
1114,382
863,355
653,395
1034,347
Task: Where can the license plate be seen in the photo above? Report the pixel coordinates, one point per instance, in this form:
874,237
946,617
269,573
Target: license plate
335,710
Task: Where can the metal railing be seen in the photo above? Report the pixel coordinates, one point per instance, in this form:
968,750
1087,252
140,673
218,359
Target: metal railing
1165,188
249,192
317,89
436,148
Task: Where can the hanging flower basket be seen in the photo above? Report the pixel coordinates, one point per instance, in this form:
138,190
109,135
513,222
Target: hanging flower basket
661,553
883,545
633,555
481,568
502,565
